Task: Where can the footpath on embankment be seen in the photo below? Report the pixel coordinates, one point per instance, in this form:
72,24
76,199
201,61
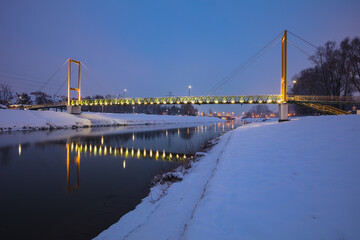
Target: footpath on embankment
292,180
13,120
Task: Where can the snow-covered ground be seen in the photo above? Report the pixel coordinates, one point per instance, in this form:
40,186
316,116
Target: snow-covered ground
11,120
290,180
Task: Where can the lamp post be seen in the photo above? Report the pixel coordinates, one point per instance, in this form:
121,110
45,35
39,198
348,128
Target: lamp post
125,93
189,90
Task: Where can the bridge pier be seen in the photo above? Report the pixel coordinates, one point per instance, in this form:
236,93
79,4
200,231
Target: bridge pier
73,109
283,112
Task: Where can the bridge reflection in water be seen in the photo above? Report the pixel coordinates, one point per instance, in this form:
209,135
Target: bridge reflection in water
121,152
76,149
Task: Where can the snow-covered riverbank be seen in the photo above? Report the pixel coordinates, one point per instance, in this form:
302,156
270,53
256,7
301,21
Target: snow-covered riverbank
290,180
12,120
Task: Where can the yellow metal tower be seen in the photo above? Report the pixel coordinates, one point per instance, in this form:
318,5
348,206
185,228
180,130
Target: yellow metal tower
283,66
69,81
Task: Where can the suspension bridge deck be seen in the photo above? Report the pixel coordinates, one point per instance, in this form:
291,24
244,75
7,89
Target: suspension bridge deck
235,99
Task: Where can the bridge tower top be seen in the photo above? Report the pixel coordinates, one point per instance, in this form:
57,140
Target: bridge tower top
78,89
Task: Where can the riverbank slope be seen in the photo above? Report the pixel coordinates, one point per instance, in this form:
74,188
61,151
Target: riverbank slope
290,180
13,120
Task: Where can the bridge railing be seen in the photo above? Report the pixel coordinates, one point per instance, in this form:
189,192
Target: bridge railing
236,99
324,99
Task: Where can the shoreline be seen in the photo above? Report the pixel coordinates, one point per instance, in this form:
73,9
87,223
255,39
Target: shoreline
232,189
26,120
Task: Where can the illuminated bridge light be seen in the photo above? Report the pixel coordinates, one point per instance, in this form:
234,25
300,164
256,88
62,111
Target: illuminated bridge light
170,155
151,153
19,149
110,150
269,100
216,101
144,152
95,150
72,146
132,152
177,155
124,164
85,148
192,101
185,101
164,153
250,101
126,152
105,150
100,150
232,101
121,151
115,152
138,153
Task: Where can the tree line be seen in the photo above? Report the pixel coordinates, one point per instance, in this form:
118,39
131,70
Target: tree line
335,71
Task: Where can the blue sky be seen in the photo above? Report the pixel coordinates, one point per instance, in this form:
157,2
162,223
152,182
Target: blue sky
154,47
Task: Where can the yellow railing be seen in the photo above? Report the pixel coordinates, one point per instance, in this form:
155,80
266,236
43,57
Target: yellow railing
324,99
324,108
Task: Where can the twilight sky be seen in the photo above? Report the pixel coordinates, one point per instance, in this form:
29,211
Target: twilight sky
154,47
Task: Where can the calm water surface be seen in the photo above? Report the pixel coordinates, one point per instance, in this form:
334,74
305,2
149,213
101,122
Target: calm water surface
69,184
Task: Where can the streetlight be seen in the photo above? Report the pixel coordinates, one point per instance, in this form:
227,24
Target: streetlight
189,90
124,92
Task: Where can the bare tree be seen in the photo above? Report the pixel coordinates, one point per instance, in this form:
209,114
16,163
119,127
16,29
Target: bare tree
351,51
6,93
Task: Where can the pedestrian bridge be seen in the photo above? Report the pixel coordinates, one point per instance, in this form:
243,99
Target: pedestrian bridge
233,99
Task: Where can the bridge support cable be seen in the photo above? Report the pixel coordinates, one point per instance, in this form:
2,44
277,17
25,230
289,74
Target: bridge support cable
52,76
309,43
242,67
300,49
63,84
96,82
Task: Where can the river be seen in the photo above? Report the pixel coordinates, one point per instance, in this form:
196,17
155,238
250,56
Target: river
73,184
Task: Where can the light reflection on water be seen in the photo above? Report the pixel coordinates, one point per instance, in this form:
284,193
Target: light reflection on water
75,187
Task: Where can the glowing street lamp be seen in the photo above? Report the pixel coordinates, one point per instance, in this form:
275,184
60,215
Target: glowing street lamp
125,92
189,90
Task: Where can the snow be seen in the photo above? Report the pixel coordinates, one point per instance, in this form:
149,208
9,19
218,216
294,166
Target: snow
292,180
11,120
